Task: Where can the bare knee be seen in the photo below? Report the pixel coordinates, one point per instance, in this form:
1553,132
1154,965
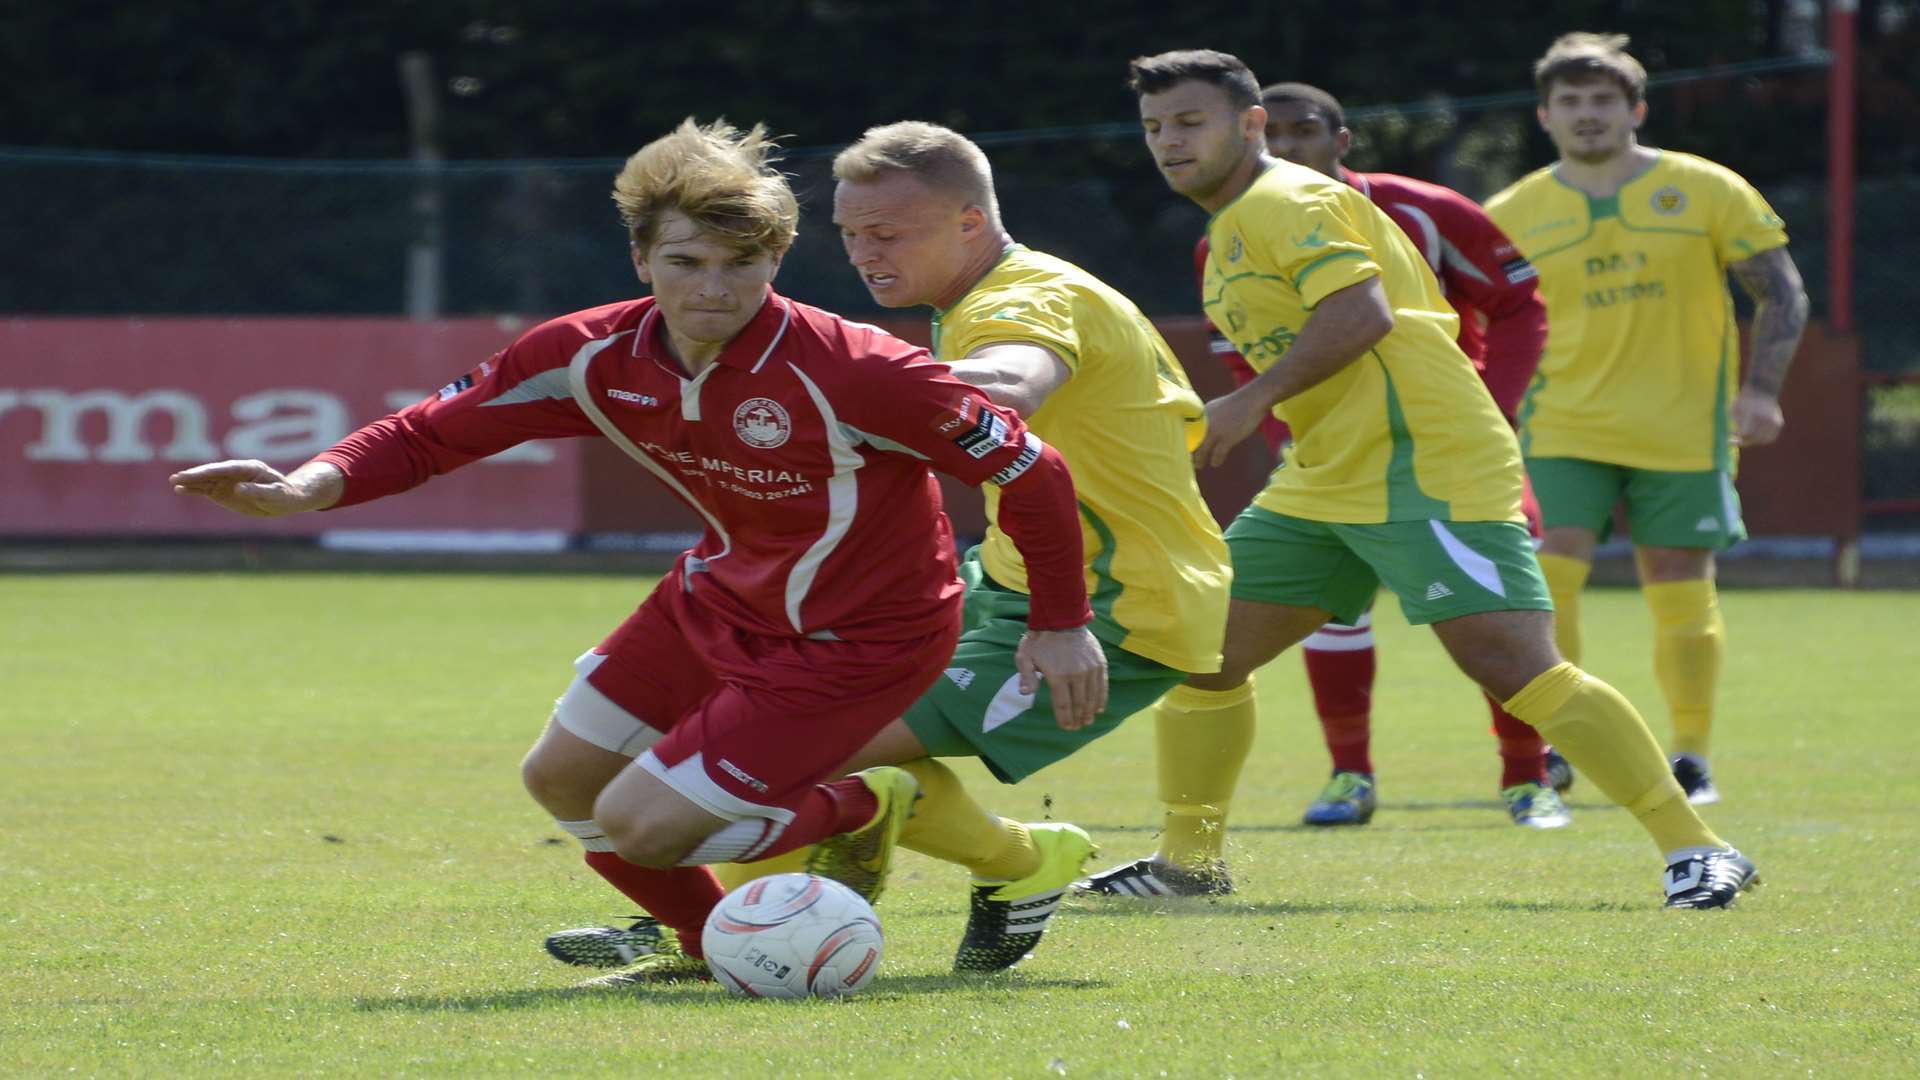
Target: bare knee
1503,651
1224,679
565,774
641,840
1662,564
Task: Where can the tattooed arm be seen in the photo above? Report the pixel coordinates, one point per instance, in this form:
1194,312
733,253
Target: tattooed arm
1779,314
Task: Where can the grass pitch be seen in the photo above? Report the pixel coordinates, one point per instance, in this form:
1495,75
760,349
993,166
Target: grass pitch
272,824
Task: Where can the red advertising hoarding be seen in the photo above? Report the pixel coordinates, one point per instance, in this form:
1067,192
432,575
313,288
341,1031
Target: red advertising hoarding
95,413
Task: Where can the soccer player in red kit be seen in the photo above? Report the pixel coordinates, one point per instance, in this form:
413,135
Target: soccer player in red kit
822,598
1503,327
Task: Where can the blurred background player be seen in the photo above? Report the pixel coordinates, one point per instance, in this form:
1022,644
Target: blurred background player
1402,472
1503,326
822,598
1639,396
920,220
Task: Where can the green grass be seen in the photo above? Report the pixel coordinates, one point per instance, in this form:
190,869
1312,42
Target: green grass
272,824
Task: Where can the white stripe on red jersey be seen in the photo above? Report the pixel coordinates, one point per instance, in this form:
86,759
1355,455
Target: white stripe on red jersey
804,447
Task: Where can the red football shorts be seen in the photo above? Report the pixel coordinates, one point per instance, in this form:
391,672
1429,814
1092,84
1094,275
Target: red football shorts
750,721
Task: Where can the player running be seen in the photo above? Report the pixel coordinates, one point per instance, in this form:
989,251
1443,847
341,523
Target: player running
1639,396
917,212
1502,328
1402,471
822,599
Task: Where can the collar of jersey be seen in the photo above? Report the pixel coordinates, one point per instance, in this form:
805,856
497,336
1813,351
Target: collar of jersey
743,352
1012,246
1660,158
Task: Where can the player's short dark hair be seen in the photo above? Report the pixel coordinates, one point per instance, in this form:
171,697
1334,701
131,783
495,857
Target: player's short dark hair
1324,104
1152,74
1583,57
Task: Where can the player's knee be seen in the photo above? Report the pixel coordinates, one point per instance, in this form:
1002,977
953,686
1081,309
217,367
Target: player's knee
640,839
1227,678
561,790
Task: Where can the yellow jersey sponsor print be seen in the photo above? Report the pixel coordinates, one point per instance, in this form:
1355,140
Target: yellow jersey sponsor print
1126,422
1642,356
1405,433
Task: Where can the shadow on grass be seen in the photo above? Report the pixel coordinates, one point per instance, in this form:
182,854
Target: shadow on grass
1135,909
1496,810
692,992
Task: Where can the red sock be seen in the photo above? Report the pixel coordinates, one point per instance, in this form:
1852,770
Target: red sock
1343,696
681,897
825,810
1523,754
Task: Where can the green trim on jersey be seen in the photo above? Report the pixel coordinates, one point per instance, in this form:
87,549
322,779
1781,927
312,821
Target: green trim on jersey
1106,588
1404,498
1301,278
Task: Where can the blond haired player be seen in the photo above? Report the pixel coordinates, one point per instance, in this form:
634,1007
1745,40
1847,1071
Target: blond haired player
822,597
1402,473
1639,396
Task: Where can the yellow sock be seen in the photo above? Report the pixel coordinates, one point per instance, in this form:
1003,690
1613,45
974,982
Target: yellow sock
1202,738
1565,578
947,824
1688,638
734,875
1602,735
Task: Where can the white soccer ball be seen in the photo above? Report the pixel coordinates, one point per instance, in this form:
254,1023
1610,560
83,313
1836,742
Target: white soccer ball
791,935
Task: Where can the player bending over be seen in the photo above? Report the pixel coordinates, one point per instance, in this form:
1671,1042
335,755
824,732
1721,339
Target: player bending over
821,600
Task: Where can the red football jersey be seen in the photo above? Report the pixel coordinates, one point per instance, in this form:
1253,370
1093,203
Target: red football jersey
805,447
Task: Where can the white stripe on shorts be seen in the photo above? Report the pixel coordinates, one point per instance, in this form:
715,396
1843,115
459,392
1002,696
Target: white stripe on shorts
690,778
1472,563
593,716
1729,504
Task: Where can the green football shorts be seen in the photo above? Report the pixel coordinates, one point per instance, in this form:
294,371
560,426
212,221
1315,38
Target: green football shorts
976,708
1439,569
1664,509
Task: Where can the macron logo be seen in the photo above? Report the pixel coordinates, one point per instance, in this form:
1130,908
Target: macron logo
630,396
741,775
962,677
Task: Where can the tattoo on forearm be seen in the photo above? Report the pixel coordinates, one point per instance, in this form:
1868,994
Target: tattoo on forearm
1779,315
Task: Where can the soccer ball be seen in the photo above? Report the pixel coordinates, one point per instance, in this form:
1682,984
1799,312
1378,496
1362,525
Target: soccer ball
791,935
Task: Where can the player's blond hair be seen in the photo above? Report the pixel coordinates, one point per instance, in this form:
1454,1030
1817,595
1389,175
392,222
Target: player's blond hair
1581,57
941,157
720,178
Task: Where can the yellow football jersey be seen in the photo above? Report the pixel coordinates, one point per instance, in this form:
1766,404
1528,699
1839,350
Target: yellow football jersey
1642,357
1405,433
1126,421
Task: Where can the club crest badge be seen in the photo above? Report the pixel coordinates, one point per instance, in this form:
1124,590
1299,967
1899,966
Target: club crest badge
761,423
1236,249
1669,201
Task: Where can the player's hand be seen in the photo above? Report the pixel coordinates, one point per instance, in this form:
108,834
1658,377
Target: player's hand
1229,420
1756,418
1075,669
257,489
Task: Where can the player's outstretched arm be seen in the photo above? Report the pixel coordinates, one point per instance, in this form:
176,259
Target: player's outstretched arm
257,489
1779,315
1016,375
1343,326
